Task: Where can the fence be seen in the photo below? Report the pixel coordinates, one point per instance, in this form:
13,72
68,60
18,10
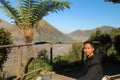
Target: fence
20,53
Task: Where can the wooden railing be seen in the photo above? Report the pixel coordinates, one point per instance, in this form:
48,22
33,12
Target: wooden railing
20,52
19,66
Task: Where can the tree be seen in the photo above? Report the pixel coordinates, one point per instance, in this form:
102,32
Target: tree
95,35
115,35
5,39
115,32
117,44
114,1
103,38
105,41
76,52
28,12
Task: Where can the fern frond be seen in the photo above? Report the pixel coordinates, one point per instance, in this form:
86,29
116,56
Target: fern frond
43,8
31,11
11,11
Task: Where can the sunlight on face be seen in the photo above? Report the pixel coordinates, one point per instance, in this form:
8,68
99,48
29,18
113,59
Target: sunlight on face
88,49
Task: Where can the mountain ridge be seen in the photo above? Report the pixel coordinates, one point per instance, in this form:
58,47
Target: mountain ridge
82,35
46,32
43,32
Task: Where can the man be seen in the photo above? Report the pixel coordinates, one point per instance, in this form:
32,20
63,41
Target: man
92,65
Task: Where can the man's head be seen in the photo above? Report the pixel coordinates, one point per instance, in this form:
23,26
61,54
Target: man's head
88,48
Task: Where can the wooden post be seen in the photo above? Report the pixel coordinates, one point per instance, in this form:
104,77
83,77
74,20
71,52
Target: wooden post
51,53
19,68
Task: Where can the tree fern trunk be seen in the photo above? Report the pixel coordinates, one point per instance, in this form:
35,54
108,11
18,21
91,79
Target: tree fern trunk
28,34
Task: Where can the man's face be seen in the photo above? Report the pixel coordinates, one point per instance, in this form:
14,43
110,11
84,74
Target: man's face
88,49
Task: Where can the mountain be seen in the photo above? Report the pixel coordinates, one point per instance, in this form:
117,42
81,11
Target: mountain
43,32
46,32
82,35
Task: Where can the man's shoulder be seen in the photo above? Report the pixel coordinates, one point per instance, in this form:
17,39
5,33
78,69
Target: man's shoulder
97,57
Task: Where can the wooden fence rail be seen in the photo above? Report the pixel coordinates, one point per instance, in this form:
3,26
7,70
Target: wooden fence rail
19,68
38,43
20,53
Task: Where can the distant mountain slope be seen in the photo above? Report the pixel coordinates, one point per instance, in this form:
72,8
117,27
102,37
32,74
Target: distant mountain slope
16,33
46,32
82,35
43,32
107,29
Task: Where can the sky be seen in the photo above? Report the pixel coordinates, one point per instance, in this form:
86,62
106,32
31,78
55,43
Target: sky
82,15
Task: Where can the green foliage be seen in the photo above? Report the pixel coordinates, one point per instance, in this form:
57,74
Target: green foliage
115,35
109,44
27,12
103,38
111,50
117,43
68,60
115,32
95,35
61,60
36,63
43,55
2,75
76,52
74,58
74,55
5,39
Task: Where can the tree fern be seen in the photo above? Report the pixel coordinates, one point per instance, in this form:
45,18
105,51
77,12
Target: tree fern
28,12
31,11
10,11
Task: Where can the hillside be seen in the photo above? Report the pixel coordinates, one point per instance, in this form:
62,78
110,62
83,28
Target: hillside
43,32
82,35
46,32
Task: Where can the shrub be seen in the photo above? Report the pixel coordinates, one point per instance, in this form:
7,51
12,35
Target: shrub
5,39
75,53
36,63
43,55
61,60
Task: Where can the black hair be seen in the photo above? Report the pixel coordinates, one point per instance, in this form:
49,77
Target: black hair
89,42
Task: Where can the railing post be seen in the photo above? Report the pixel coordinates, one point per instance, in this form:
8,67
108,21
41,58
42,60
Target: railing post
19,68
51,53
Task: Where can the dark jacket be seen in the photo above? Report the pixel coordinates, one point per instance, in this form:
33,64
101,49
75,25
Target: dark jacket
92,69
